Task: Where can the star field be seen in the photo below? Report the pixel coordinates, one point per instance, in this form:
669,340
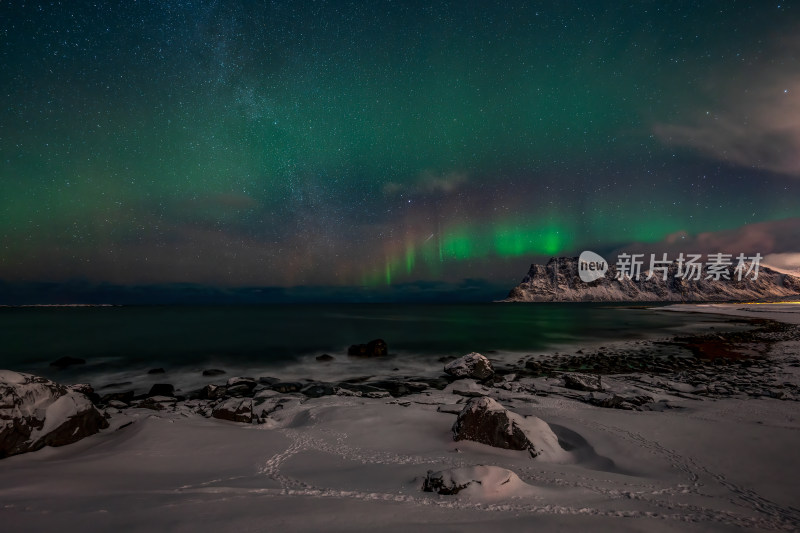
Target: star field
371,143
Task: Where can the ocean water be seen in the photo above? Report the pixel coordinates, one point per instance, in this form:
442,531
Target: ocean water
120,344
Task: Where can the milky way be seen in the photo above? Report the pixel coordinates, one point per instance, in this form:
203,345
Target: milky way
376,143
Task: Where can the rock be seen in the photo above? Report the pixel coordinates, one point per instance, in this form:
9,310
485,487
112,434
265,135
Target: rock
36,412
235,410
377,347
288,386
434,383
239,380
629,403
416,386
83,388
157,403
213,392
213,372
268,381
239,391
376,395
240,386
317,390
359,379
472,365
535,367
357,349
124,397
486,421
161,389
394,387
584,382
343,391
63,362
86,390
325,357
476,481
156,371
374,348
263,395
364,389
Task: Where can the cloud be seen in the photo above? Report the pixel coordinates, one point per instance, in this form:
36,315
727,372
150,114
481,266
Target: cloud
773,237
429,182
755,120
788,262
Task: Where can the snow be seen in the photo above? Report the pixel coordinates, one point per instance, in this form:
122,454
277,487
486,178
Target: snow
8,376
348,463
58,412
339,463
33,394
467,387
779,311
484,482
542,436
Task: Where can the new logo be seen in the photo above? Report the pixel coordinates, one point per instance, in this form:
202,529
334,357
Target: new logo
591,266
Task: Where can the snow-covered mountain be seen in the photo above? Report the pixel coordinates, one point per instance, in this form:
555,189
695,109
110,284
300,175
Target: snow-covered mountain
558,281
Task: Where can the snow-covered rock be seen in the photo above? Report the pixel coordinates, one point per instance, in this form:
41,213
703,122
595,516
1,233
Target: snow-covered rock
235,410
480,482
484,420
473,365
558,281
36,412
584,382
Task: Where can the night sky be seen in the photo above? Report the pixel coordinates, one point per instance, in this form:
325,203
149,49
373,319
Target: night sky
372,144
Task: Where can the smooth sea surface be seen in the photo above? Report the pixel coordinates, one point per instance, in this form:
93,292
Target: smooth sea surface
120,344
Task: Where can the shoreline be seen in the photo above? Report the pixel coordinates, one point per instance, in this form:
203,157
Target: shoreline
779,311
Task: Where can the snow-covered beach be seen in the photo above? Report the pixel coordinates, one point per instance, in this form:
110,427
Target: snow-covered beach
673,448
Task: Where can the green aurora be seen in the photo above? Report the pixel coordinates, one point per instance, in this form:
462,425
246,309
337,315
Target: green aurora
369,144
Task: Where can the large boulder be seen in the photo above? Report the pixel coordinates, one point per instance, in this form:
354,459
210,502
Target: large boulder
473,365
476,481
484,420
36,412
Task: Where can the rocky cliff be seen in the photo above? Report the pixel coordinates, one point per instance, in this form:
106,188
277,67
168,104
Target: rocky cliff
558,281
